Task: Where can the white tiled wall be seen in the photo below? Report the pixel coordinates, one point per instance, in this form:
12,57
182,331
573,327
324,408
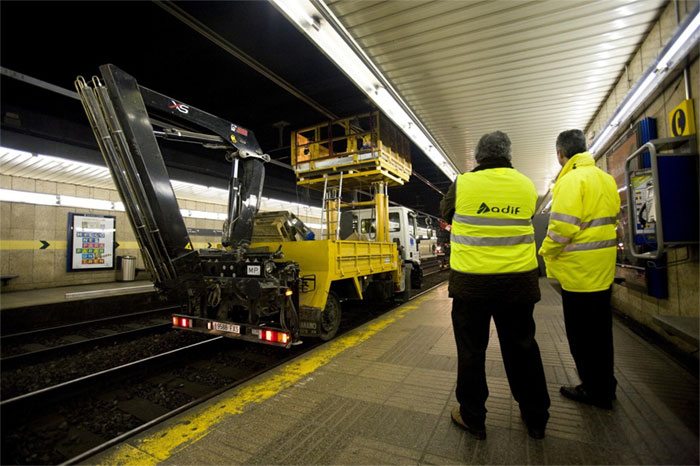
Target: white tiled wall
44,268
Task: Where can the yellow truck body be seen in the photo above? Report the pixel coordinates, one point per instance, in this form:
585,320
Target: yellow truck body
327,261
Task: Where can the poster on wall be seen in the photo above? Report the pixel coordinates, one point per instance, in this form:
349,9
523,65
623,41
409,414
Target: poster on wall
90,242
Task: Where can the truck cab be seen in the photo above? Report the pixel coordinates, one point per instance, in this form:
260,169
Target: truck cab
403,230
426,237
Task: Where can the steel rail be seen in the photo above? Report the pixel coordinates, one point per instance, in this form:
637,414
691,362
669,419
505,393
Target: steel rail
433,272
27,402
86,323
32,357
112,442
426,291
24,406
153,422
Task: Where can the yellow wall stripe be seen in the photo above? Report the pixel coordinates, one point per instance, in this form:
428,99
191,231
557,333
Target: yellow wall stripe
12,244
197,424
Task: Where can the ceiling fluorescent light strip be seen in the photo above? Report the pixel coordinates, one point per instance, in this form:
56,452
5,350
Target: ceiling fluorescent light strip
60,200
20,157
318,23
678,47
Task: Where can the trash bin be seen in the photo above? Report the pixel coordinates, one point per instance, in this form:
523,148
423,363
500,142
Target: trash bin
126,268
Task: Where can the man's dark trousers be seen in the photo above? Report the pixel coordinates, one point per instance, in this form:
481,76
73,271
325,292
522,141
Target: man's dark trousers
471,322
588,321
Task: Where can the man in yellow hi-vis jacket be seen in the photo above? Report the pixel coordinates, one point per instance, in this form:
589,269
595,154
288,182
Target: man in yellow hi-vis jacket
580,251
494,274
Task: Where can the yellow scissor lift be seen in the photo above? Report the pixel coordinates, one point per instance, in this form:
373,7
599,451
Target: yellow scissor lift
355,153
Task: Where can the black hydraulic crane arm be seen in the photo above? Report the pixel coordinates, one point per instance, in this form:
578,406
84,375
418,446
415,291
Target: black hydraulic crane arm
236,138
118,111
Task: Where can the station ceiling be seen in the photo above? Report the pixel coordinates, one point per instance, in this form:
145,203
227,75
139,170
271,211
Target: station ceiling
529,68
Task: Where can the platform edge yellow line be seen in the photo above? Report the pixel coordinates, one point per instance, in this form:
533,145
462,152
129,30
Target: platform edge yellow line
195,426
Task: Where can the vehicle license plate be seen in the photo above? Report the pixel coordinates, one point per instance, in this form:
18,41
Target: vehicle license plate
227,327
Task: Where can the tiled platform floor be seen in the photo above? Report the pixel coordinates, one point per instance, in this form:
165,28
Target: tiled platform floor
383,396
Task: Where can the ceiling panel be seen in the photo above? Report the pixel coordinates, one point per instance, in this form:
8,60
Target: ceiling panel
530,68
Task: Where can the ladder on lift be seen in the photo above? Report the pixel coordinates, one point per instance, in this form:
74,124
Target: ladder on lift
331,204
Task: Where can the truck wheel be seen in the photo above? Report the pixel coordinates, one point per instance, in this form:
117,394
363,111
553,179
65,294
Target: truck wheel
330,317
403,296
416,277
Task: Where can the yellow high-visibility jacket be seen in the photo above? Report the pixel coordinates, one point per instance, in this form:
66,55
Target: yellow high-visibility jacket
491,228
581,243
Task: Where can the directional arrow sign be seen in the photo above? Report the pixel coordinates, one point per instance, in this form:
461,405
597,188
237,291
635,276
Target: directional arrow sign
44,244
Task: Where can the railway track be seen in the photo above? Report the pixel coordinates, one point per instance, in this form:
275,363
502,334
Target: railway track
33,357
94,330
76,418
44,345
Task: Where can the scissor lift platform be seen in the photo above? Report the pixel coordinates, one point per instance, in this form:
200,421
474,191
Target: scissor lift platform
365,148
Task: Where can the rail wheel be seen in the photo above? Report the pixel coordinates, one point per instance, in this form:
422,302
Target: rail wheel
330,317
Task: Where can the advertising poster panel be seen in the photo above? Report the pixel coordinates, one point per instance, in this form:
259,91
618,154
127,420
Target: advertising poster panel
90,242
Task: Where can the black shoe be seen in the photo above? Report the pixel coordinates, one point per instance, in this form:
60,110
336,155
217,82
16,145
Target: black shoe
534,432
578,393
478,432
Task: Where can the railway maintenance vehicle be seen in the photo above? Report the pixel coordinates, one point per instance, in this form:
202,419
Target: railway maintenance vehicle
269,281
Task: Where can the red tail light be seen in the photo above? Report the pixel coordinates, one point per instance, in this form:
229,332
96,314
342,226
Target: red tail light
274,336
182,322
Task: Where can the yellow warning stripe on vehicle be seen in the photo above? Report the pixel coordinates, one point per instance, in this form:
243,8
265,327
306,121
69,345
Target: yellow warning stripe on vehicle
194,426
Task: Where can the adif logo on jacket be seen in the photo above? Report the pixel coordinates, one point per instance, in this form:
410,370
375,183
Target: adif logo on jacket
483,208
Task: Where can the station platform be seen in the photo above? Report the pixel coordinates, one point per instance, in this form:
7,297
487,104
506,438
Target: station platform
63,294
382,394
47,307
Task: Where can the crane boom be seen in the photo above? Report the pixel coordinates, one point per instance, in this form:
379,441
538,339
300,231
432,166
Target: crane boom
234,287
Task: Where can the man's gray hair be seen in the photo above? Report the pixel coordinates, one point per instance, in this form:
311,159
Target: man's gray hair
493,146
571,142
